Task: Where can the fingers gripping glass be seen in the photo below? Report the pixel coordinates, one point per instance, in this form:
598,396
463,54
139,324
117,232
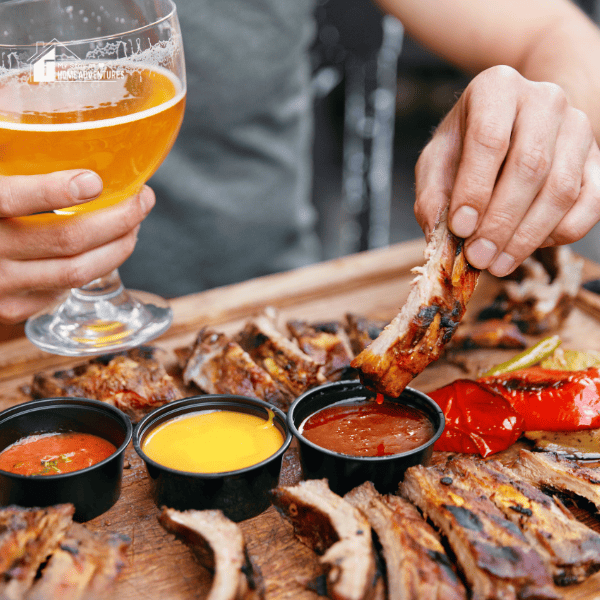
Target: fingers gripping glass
96,85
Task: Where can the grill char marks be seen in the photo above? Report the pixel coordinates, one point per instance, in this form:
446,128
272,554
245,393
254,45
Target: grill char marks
133,381
337,531
219,365
492,553
417,565
547,469
44,555
291,368
218,544
540,293
27,537
570,548
493,333
362,331
83,566
327,343
418,334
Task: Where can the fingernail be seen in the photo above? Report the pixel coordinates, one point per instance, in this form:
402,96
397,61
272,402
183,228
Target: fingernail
464,221
147,198
503,265
481,253
85,186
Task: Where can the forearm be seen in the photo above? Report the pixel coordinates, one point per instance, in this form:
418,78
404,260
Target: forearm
545,40
569,55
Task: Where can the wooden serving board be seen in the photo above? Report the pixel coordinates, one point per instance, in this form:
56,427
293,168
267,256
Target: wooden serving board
373,284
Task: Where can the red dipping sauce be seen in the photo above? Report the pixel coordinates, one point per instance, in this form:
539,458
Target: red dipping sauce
55,453
368,428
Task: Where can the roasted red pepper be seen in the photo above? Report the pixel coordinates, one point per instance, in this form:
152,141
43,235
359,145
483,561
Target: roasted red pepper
478,420
552,400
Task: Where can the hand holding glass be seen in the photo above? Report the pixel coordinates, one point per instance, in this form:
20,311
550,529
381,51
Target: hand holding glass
97,86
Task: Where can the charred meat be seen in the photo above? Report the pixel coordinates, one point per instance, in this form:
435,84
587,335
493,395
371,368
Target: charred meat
219,546
83,566
279,356
219,365
337,531
418,334
550,470
134,381
571,548
417,564
43,555
362,331
491,551
327,343
493,333
539,295
584,444
27,537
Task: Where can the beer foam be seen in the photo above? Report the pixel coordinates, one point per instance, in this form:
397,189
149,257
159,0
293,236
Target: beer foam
107,122
159,54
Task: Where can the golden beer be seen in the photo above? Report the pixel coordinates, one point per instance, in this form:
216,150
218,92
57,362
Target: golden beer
121,127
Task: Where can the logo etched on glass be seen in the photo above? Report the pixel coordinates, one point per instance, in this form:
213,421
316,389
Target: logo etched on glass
55,62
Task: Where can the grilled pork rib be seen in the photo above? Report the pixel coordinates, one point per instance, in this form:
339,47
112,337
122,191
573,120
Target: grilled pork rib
27,537
416,563
337,531
571,548
219,546
493,554
493,333
362,331
219,365
279,356
327,343
436,303
547,469
133,381
540,293
83,567
44,555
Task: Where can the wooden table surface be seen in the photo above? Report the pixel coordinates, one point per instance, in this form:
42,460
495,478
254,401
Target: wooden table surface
373,284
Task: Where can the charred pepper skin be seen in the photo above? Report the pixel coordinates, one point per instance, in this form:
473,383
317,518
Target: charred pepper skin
552,399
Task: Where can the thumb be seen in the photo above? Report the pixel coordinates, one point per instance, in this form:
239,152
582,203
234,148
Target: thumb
436,170
22,195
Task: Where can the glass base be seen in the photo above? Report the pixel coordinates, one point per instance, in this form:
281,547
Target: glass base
88,324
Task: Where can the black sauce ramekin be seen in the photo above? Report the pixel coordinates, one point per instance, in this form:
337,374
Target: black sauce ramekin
240,494
343,471
92,490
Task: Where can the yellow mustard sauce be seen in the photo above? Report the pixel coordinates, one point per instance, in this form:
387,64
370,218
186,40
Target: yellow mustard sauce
213,442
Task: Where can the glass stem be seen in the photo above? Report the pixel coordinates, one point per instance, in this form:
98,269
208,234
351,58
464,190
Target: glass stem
106,287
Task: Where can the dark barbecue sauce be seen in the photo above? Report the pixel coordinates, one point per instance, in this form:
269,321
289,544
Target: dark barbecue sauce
368,428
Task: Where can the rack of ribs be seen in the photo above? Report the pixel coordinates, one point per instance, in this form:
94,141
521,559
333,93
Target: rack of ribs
493,554
570,547
417,565
550,470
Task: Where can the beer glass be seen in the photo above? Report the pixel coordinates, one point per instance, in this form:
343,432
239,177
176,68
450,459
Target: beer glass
100,85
